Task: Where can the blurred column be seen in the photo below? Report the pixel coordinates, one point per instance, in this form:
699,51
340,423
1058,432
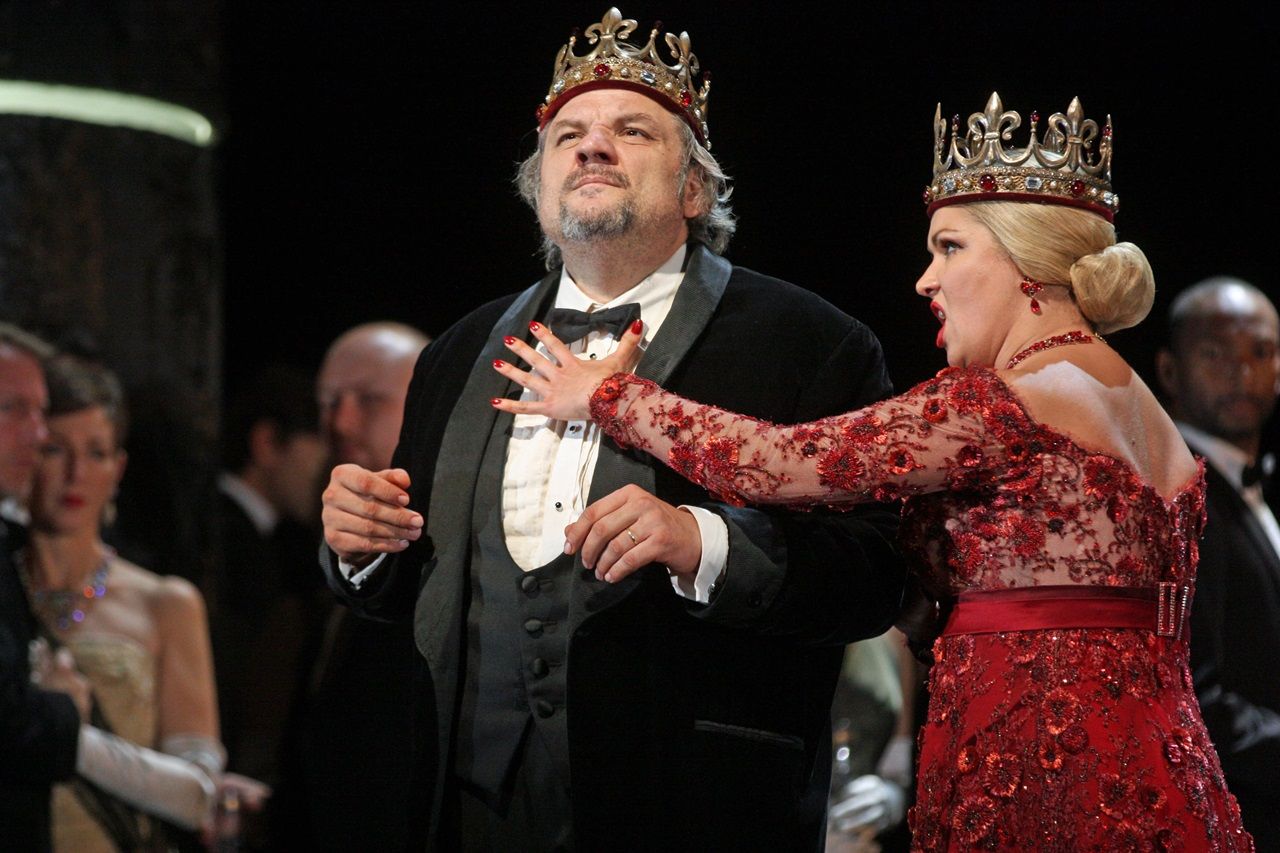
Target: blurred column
109,230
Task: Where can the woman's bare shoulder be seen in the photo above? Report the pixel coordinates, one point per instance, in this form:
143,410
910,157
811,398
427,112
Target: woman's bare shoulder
1103,404
172,600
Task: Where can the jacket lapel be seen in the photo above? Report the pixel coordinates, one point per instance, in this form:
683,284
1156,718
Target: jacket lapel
705,278
437,617
1248,521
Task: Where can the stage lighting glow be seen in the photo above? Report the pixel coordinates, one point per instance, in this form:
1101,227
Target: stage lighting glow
105,107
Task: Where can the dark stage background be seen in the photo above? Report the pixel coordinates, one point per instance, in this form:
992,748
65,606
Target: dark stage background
367,162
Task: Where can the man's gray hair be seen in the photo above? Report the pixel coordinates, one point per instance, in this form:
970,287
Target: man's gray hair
24,341
713,228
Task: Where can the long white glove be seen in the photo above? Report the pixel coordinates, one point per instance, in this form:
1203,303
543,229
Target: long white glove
896,762
178,790
868,801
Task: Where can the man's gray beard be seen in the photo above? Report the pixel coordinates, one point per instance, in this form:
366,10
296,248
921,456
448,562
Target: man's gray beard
598,226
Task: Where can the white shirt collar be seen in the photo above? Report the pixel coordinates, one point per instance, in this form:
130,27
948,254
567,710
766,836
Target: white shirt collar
1225,457
260,511
12,509
654,292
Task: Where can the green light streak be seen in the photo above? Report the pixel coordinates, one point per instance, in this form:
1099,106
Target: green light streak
105,107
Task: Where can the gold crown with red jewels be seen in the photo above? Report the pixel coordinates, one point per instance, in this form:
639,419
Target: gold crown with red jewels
613,63
1059,168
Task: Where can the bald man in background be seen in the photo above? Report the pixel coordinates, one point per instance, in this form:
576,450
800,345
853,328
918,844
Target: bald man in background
1222,372
351,757
361,391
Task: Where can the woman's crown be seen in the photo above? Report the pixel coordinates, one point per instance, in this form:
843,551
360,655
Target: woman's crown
614,63
1060,168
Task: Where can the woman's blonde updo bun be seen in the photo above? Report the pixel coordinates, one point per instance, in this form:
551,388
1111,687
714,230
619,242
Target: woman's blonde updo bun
1114,288
1111,282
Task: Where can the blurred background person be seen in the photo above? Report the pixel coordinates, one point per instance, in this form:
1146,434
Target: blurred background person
361,391
262,590
349,770
873,737
140,639
39,726
1221,370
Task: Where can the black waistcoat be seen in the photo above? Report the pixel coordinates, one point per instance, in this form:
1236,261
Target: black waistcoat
517,644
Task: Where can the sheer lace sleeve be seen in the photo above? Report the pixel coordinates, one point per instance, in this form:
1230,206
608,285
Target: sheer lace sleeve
949,432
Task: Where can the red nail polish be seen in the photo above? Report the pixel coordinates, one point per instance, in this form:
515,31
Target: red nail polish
534,326
495,401
508,340
499,363
637,327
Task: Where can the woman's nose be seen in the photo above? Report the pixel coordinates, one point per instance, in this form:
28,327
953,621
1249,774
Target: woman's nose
927,284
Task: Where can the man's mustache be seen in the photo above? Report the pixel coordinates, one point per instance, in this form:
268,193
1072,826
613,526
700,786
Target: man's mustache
612,176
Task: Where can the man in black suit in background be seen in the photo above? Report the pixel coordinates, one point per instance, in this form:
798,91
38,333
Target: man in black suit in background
685,707
1222,372
39,728
358,673
263,599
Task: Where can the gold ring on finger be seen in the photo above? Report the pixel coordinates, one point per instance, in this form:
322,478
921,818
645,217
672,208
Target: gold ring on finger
632,537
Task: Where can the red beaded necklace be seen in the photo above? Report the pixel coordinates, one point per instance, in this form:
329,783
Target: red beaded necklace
1072,337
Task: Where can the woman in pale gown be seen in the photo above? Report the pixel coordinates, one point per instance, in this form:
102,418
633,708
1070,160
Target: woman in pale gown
1046,495
140,639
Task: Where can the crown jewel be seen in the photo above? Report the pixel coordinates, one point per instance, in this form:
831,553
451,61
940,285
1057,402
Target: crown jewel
1061,167
615,63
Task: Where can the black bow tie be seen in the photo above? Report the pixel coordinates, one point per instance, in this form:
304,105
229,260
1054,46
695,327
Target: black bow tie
571,325
1259,472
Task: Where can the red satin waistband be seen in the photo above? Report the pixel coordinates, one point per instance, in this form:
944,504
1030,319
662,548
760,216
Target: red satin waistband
1161,609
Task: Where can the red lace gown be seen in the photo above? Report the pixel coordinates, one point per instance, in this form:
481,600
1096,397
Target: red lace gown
1038,738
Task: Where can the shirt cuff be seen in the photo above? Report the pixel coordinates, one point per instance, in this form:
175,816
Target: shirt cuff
715,554
357,577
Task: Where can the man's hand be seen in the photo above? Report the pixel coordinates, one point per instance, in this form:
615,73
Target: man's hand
365,513
867,802
630,529
921,619
236,795
58,672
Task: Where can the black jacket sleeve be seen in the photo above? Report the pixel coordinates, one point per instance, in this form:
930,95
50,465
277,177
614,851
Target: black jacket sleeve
390,592
39,729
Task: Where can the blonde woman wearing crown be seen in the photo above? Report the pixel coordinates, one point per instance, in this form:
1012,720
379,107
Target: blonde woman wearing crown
1047,498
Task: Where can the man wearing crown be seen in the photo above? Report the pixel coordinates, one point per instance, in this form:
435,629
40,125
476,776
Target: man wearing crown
687,706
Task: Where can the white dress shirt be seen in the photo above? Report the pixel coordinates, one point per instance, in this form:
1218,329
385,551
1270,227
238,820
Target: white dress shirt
550,464
1229,461
261,513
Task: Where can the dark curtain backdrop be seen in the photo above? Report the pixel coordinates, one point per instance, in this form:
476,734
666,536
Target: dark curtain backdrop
368,165
366,153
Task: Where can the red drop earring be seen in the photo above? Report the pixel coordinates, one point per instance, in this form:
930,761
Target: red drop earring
1030,289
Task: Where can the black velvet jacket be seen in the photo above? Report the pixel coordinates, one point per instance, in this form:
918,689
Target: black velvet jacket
699,727
39,730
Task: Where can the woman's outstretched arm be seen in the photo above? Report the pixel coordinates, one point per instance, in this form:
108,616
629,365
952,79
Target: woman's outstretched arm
928,439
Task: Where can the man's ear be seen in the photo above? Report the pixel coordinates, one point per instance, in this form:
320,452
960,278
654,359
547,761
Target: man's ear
264,443
1167,372
693,201
122,460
